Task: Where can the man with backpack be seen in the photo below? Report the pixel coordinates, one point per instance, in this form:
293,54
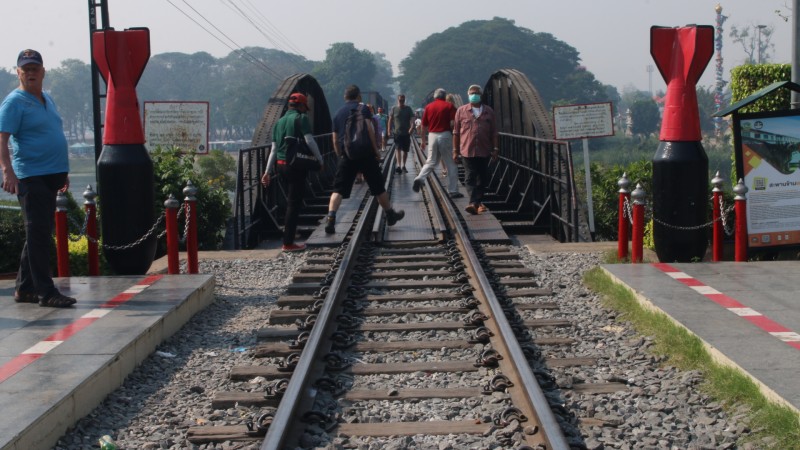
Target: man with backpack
355,142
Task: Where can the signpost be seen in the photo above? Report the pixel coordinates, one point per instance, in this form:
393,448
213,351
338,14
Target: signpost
177,124
582,122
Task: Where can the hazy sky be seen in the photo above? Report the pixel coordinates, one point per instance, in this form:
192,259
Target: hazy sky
612,36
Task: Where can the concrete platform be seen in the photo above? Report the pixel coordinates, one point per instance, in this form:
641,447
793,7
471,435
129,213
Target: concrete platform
57,365
747,314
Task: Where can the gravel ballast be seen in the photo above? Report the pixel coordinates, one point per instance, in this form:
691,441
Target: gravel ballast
171,391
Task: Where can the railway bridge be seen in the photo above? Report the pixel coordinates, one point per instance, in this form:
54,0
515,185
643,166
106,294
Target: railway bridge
532,189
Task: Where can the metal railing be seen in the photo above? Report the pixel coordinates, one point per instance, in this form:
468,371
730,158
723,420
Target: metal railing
532,186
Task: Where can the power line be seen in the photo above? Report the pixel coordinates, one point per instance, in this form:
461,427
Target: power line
241,51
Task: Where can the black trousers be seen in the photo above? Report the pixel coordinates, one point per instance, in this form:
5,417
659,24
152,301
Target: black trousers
476,177
296,190
37,197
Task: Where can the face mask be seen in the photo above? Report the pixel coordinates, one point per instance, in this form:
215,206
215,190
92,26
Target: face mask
474,98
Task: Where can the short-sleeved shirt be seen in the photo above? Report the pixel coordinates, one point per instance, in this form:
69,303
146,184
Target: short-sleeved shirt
382,118
38,145
476,133
438,115
341,116
401,119
285,127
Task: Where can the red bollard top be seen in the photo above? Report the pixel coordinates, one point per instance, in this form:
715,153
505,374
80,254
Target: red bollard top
681,55
121,57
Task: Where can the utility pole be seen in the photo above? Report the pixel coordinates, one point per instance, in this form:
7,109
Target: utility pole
760,27
795,51
650,69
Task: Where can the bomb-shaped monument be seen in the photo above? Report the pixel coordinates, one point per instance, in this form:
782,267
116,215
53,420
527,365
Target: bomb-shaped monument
124,168
680,164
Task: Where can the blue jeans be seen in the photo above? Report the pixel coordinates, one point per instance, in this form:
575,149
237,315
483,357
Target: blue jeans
37,197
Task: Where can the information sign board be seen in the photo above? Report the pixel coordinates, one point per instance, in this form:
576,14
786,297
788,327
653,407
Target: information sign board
176,124
583,121
768,154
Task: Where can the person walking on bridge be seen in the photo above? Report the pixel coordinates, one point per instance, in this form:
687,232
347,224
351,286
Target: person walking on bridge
401,124
437,123
295,178
349,165
475,138
35,167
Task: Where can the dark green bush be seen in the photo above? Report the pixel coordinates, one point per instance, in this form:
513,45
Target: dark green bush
605,193
173,168
12,238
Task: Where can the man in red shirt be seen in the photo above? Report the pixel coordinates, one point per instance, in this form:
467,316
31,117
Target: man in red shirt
437,123
475,138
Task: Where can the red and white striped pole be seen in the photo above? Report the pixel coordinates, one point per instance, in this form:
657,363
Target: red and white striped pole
173,260
190,203
716,243
637,238
622,223
741,221
62,238
90,207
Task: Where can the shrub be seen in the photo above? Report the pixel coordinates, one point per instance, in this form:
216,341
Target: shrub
12,238
605,193
173,169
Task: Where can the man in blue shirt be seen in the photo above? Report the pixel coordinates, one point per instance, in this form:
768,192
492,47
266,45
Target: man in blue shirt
348,168
34,167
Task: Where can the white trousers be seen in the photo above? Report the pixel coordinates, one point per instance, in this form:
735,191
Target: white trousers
440,146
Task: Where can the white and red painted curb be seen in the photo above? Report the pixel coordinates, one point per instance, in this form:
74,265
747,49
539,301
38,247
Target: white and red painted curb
41,348
731,304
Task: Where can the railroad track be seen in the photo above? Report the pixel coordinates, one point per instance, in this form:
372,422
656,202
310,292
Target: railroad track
386,342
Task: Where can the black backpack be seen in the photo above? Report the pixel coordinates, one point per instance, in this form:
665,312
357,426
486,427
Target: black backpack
357,143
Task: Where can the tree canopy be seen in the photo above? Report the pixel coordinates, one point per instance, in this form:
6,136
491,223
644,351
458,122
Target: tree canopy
471,52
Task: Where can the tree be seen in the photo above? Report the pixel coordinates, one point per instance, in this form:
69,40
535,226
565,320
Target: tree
71,87
217,168
645,116
8,81
455,59
382,82
755,41
344,65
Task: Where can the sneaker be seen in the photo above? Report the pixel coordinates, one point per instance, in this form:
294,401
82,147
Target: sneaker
456,195
392,216
294,247
330,225
405,170
472,209
398,170
417,185
57,300
482,209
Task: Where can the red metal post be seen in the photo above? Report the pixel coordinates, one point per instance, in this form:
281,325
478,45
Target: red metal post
716,245
90,207
741,221
173,260
62,238
623,220
190,203
637,241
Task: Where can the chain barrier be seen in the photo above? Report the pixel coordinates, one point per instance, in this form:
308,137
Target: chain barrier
82,233
728,227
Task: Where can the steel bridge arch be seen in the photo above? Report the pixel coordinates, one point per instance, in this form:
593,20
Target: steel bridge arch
518,105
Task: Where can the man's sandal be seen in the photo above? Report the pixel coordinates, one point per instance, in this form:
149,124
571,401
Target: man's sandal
26,297
57,300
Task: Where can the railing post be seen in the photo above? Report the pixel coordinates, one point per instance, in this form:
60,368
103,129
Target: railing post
191,235
637,241
741,221
622,223
62,238
90,207
173,235
716,243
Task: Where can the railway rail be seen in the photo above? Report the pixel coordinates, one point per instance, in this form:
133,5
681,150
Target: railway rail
442,320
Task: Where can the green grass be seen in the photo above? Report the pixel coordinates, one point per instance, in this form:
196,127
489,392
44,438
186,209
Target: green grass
775,426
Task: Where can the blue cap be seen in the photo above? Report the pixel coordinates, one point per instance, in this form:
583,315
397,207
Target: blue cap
29,56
